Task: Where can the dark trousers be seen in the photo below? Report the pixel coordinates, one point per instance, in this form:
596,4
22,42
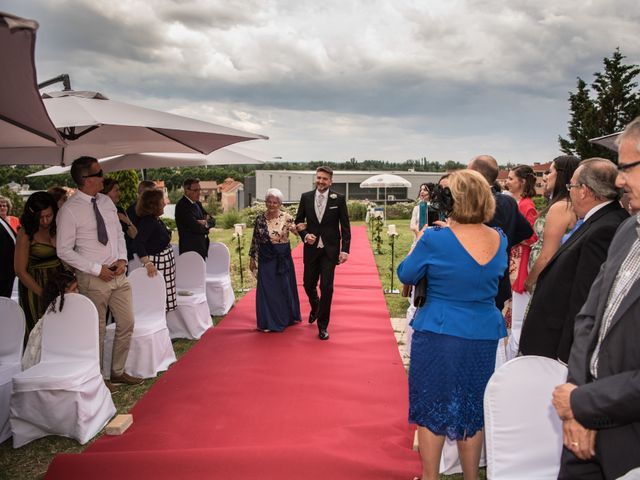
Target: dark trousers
6,285
615,462
320,268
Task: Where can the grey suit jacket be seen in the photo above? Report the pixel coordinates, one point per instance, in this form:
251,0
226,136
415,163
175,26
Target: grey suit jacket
610,403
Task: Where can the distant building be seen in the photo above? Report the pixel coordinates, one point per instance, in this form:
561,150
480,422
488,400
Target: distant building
293,183
231,195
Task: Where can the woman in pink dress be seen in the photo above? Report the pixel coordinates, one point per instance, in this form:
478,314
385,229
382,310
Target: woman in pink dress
521,183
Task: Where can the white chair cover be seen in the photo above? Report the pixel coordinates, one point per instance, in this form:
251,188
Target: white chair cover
191,318
151,350
64,394
523,433
15,296
12,326
220,295
134,264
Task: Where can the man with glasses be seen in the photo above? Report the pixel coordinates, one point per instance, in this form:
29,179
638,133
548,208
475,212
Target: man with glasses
90,239
600,403
564,283
192,220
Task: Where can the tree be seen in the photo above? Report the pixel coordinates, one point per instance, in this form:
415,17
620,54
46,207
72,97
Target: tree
128,183
616,103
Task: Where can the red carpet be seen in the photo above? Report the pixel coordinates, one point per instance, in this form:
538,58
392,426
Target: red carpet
247,405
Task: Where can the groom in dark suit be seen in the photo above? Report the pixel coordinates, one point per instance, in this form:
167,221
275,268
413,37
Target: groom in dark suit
192,220
600,403
323,223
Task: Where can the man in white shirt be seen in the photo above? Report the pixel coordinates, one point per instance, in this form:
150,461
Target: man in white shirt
90,239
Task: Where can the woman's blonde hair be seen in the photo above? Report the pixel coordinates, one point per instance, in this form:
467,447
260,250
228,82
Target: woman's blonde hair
473,200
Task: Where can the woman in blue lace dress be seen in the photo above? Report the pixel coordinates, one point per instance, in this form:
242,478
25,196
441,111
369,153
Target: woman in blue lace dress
277,302
457,330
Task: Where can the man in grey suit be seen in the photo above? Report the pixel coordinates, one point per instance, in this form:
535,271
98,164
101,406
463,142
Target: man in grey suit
600,403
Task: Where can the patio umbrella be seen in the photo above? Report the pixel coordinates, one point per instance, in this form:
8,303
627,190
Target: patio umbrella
233,155
608,141
91,124
385,180
24,121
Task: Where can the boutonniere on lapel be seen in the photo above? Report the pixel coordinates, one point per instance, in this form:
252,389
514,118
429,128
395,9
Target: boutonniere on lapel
333,196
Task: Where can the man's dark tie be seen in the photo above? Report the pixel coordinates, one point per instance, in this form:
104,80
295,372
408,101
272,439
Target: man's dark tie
103,238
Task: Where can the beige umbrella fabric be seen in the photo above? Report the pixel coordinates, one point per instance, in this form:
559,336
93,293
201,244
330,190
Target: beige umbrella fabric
94,125
233,155
24,121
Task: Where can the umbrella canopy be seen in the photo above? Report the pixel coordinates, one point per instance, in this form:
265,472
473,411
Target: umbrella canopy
385,180
91,124
24,121
608,141
233,155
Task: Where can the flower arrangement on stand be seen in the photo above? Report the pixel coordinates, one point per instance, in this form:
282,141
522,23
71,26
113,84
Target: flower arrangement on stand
378,223
238,234
392,233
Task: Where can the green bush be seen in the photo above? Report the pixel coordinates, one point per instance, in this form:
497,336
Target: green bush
357,210
170,223
399,211
229,219
540,202
249,214
175,195
213,207
17,204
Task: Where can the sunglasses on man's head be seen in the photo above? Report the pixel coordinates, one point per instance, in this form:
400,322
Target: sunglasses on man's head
99,173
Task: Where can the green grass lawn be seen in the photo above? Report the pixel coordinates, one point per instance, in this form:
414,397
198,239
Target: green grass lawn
32,460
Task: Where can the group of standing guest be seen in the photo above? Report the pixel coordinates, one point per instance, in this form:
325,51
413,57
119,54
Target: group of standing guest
572,280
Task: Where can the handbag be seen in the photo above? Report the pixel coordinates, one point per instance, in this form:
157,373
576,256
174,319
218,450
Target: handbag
420,293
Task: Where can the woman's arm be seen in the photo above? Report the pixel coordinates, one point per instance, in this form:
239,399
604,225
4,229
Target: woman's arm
559,218
21,262
413,223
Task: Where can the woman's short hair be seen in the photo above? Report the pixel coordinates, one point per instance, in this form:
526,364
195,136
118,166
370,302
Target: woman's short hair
274,192
30,218
108,184
7,201
58,193
150,202
473,200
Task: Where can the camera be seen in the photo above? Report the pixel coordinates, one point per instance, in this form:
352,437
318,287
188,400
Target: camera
440,200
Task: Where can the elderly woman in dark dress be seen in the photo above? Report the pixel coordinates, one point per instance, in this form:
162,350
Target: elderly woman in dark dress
277,302
152,243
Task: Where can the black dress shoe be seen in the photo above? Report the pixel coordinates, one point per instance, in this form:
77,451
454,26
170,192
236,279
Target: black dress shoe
312,317
323,335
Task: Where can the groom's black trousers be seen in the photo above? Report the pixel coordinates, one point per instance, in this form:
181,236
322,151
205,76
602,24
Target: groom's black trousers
323,268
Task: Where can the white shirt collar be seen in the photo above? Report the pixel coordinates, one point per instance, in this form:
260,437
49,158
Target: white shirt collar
596,208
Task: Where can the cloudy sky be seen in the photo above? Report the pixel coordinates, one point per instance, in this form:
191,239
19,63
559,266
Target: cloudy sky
330,80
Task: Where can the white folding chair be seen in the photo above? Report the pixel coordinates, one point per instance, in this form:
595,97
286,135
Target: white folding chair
220,295
191,317
12,326
523,433
64,394
151,350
